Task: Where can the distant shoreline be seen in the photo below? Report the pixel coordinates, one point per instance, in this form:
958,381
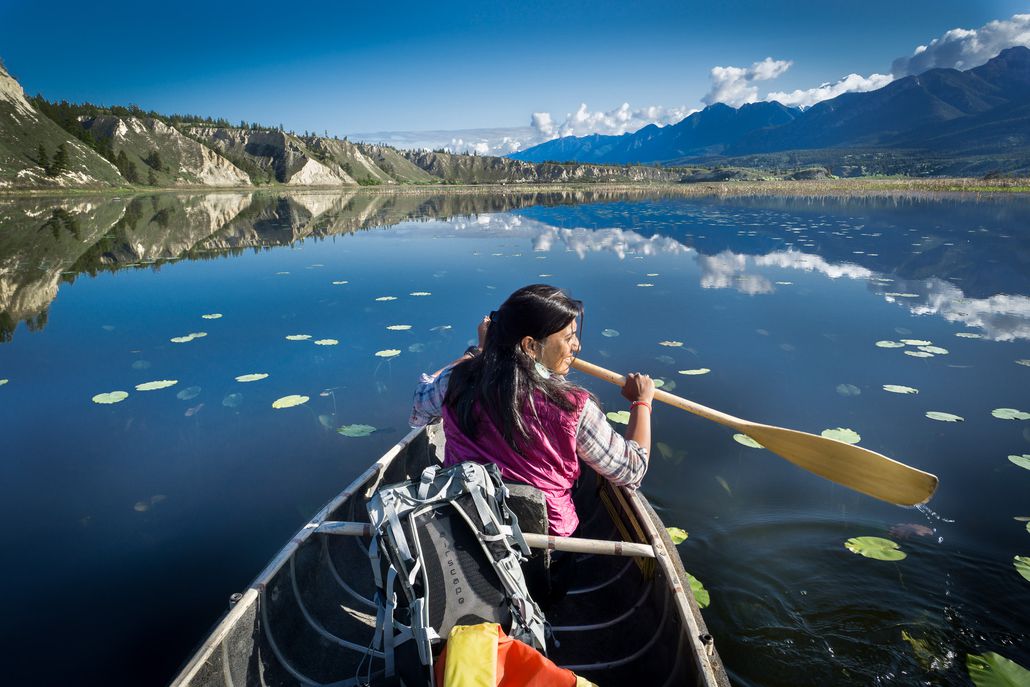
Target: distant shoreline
842,186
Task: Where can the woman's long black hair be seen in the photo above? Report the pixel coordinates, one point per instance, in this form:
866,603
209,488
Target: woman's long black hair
503,377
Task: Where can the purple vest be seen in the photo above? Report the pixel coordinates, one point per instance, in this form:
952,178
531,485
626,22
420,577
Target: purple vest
550,465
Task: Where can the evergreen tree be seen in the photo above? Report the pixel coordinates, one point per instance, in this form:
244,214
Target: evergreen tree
154,159
60,164
151,178
126,167
43,159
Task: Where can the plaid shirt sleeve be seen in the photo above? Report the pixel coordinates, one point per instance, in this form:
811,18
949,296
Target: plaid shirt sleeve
428,402
621,462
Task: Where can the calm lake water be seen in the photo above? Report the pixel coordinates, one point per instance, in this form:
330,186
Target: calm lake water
128,525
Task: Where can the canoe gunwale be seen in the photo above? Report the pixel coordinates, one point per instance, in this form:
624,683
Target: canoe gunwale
710,672
221,631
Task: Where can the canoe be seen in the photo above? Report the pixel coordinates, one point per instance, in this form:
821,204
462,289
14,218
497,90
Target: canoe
309,618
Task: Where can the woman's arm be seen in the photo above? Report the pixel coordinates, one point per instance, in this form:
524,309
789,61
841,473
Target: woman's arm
427,404
622,461
639,390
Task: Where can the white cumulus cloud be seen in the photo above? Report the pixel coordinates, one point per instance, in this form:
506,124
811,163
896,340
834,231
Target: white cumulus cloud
735,86
621,120
852,83
966,48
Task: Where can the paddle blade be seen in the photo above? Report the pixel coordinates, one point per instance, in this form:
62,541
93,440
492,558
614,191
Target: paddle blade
848,465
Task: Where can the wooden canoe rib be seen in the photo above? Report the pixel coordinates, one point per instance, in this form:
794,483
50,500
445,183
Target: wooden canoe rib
308,619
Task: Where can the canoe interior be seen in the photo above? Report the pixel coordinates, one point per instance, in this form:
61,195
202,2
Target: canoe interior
309,618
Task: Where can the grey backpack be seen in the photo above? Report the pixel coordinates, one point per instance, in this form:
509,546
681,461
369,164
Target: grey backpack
446,551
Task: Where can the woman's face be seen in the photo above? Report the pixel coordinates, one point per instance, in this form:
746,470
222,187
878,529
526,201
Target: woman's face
559,350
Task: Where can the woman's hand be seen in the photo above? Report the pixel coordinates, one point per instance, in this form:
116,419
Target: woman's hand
638,387
481,330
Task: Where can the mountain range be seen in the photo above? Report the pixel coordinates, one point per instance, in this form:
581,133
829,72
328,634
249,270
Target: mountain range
974,116
50,145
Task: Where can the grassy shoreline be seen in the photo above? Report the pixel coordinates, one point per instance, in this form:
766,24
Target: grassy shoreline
848,186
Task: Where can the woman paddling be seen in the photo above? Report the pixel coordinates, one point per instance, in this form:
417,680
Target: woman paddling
507,402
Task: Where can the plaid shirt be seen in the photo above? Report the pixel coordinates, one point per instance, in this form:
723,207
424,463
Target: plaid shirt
620,461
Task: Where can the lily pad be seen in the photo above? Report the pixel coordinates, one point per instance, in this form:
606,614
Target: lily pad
943,417
665,359
658,382
694,372
619,416
1025,362
416,348
387,298
875,547
676,534
746,441
420,293
189,337
356,430
645,286
919,354
388,353
701,595
889,344
232,400
671,344
254,377
848,436
399,327
1022,564
289,401
936,350
922,650
609,332
298,337
899,389
159,384
111,397
4,381
212,316
341,282
141,365
848,390
326,342
188,393
994,670
1010,414
916,342
1022,461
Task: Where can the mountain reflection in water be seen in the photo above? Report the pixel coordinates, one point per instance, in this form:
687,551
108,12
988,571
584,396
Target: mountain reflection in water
932,256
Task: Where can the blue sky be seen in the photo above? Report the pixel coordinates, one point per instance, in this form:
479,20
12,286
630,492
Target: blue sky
398,66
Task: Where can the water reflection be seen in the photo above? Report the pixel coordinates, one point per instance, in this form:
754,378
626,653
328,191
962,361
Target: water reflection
954,259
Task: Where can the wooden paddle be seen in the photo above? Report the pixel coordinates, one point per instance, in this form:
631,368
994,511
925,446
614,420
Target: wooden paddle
851,466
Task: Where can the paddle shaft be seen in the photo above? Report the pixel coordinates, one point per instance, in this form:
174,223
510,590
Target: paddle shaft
535,541
663,396
852,466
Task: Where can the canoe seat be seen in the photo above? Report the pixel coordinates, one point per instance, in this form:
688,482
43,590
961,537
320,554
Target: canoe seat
529,506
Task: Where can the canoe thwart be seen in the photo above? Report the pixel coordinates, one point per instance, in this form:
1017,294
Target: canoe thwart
535,541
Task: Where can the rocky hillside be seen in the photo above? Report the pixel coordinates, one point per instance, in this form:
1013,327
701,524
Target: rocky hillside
159,155
473,169
37,153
